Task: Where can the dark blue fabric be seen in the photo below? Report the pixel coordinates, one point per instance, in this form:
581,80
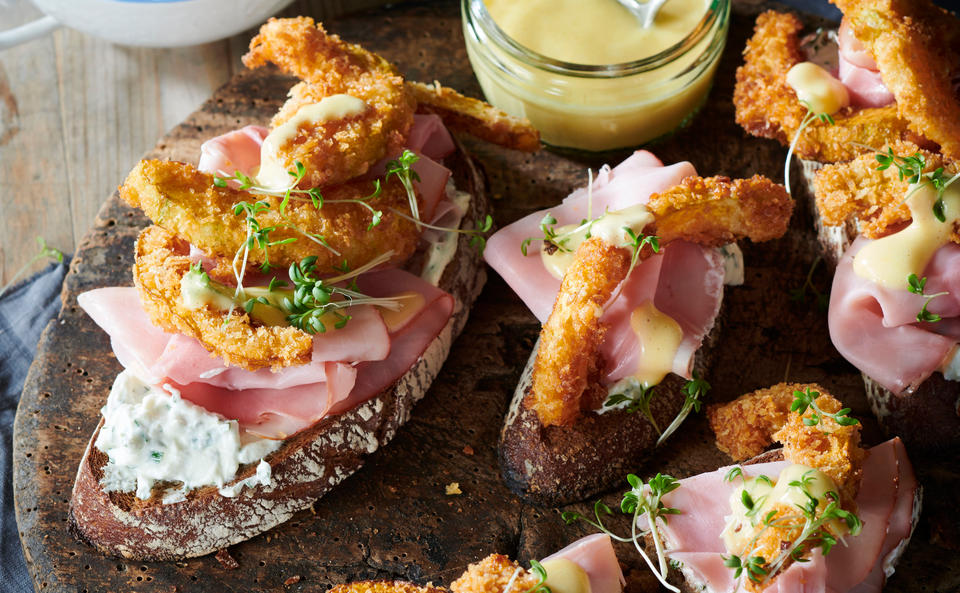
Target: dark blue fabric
24,311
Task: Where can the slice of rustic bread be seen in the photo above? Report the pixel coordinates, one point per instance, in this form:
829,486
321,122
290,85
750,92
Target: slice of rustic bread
305,467
556,465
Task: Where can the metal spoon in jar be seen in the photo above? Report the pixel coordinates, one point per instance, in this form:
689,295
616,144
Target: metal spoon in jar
645,12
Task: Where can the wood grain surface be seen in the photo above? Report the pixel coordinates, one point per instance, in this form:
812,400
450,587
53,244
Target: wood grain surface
392,519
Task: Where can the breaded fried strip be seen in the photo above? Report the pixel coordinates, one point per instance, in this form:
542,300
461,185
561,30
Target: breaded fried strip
161,263
571,337
745,426
714,211
917,49
857,190
475,117
767,107
385,587
831,448
338,150
491,575
185,201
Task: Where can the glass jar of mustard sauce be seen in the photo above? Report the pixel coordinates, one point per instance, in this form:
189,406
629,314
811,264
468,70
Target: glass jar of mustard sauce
597,107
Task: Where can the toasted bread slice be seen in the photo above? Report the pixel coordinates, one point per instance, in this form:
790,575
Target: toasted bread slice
556,465
305,467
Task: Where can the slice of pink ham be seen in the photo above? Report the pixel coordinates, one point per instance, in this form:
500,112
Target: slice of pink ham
348,368
155,355
876,329
885,504
409,341
595,555
685,281
858,71
274,413
238,150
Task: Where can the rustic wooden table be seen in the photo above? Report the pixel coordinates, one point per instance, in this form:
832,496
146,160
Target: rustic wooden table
393,519
76,113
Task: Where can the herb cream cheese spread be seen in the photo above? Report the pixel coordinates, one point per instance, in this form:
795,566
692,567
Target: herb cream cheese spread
152,435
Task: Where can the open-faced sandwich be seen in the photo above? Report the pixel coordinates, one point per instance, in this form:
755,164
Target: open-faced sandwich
888,75
627,277
819,514
890,126
295,297
895,300
588,565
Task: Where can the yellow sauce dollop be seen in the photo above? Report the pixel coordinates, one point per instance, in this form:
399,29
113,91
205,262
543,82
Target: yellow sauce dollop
822,92
889,261
660,337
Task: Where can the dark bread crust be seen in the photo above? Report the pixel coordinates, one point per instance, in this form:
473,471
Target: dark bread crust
557,465
928,419
306,466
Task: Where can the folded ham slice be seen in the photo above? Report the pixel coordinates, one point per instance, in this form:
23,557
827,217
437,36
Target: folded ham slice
685,281
595,555
885,505
858,71
349,365
876,328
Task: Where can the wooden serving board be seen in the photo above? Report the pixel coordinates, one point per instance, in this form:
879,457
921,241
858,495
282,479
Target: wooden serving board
392,519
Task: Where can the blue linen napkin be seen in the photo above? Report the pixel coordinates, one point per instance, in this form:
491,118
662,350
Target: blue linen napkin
25,310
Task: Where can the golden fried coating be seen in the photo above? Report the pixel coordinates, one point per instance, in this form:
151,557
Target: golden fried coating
767,107
161,263
491,575
475,117
570,339
857,190
340,149
185,201
748,424
714,211
385,587
916,46
827,446
745,426
710,212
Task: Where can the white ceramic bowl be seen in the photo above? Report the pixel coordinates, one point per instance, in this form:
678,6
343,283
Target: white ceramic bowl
150,23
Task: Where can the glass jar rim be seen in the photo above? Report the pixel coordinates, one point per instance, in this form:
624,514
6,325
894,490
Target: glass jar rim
476,12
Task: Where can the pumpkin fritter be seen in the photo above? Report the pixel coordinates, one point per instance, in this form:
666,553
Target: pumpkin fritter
185,201
337,150
161,262
856,190
916,46
475,117
714,211
492,574
767,107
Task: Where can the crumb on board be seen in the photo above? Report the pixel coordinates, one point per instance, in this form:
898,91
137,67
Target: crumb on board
292,580
468,450
226,560
453,488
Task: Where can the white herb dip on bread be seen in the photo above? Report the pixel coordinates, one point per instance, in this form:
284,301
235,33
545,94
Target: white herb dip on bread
152,435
